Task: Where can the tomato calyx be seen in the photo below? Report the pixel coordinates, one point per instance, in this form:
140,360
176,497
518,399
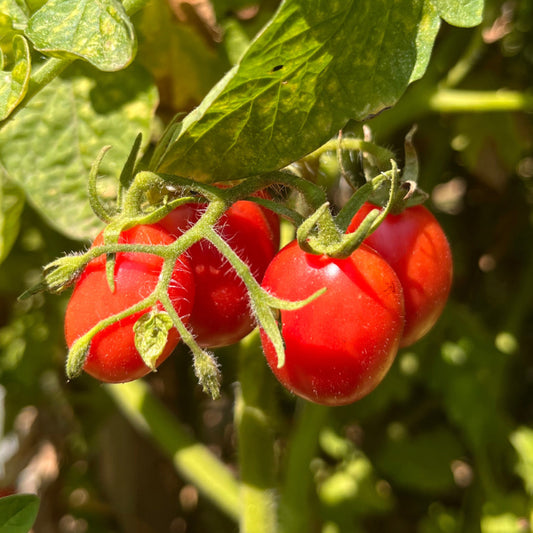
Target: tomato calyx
408,193
323,234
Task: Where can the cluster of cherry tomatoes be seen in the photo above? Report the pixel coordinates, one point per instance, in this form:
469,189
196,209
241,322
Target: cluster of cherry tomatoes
387,294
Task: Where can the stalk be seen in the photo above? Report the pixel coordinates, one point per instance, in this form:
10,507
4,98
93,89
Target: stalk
296,508
253,409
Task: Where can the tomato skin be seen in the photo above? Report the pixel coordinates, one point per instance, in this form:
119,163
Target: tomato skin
339,347
414,244
112,356
221,313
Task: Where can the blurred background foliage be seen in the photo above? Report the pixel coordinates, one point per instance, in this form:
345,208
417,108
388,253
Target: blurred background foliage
443,445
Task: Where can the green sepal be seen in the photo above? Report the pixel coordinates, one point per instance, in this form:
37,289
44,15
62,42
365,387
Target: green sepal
151,335
77,355
208,373
128,171
58,275
97,206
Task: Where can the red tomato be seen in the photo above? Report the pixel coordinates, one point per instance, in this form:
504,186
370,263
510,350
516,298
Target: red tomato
113,356
221,312
339,347
414,244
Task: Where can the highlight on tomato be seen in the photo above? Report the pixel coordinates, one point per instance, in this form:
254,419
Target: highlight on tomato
415,246
338,347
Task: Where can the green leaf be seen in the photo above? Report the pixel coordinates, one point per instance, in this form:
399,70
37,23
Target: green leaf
151,334
48,151
16,11
11,204
462,13
14,82
98,32
427,32
522,441
18,513
313,67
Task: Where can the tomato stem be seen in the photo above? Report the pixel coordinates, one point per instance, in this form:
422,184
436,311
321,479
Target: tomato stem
254,406
296,498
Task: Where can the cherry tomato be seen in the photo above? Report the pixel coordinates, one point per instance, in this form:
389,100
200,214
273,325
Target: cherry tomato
414,244
113,356
339,347
221,313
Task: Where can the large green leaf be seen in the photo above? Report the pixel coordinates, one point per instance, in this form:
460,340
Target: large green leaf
462,13
14,81
11,204
48,150
99,32
316,65
17,513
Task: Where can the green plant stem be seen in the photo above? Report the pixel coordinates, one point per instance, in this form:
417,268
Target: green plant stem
253,408
295,508
191,459
457,101
422,99
383,155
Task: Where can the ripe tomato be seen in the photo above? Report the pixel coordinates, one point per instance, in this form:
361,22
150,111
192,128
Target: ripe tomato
340,346
221,312
113,356
414,244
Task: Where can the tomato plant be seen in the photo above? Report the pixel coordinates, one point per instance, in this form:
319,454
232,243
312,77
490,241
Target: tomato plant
113,356
312,100
341,345
221,313
415,245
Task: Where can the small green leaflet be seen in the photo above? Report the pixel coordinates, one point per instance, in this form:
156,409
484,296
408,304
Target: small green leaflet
315,65
151,333
18,513
98,32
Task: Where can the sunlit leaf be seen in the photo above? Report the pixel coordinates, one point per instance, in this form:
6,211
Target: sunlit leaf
99,32
48,151
313,67
16,11
463,13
